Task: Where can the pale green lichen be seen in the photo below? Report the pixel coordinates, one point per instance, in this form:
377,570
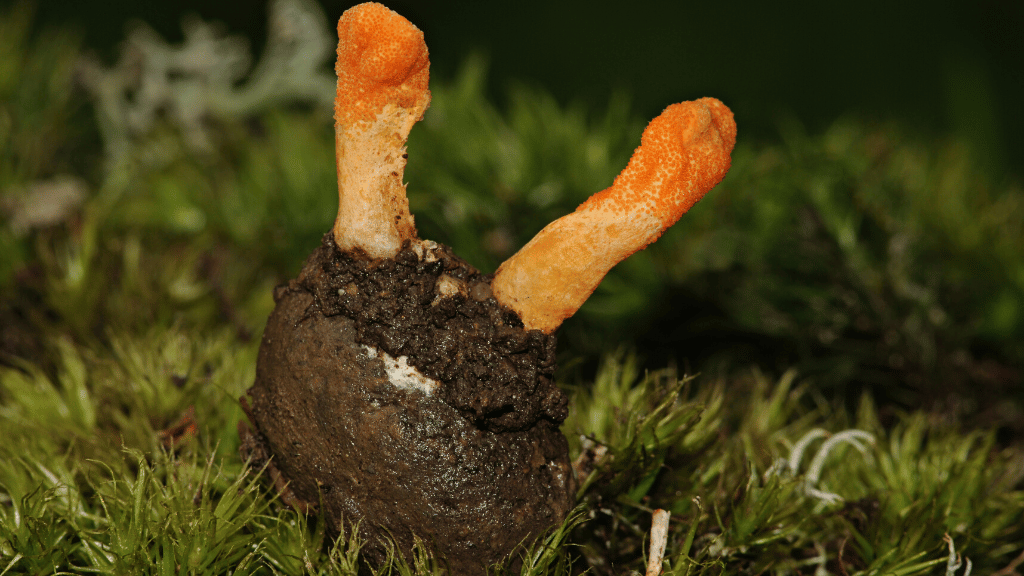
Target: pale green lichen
954,561
813,474
208,77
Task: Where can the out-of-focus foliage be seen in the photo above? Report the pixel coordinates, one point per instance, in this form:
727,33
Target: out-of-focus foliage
136,272
37,132
869,256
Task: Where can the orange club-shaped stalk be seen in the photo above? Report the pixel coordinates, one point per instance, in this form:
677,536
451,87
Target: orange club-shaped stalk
683,154
382,70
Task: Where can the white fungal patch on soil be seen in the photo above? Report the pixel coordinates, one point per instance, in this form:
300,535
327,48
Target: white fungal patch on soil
400,373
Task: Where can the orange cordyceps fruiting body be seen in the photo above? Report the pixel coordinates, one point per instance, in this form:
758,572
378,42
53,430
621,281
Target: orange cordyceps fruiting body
398,387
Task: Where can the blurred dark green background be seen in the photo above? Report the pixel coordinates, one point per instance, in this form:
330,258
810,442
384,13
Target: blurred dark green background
940,67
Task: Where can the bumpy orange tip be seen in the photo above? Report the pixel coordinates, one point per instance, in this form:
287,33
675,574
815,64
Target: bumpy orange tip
383,72
683,154
382,59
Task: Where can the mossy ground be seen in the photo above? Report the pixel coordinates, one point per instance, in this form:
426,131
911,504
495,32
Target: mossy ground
857,279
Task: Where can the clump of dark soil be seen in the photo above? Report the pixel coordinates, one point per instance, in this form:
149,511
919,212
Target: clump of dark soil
474,468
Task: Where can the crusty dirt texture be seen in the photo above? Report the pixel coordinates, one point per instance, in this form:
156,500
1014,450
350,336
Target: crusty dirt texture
473,469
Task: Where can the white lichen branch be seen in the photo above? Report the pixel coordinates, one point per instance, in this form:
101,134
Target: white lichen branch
207,77
953,562
796,454
791,465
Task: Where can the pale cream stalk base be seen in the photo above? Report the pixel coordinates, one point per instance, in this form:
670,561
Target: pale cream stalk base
373,210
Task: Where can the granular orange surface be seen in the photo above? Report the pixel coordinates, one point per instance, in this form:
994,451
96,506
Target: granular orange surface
382,59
